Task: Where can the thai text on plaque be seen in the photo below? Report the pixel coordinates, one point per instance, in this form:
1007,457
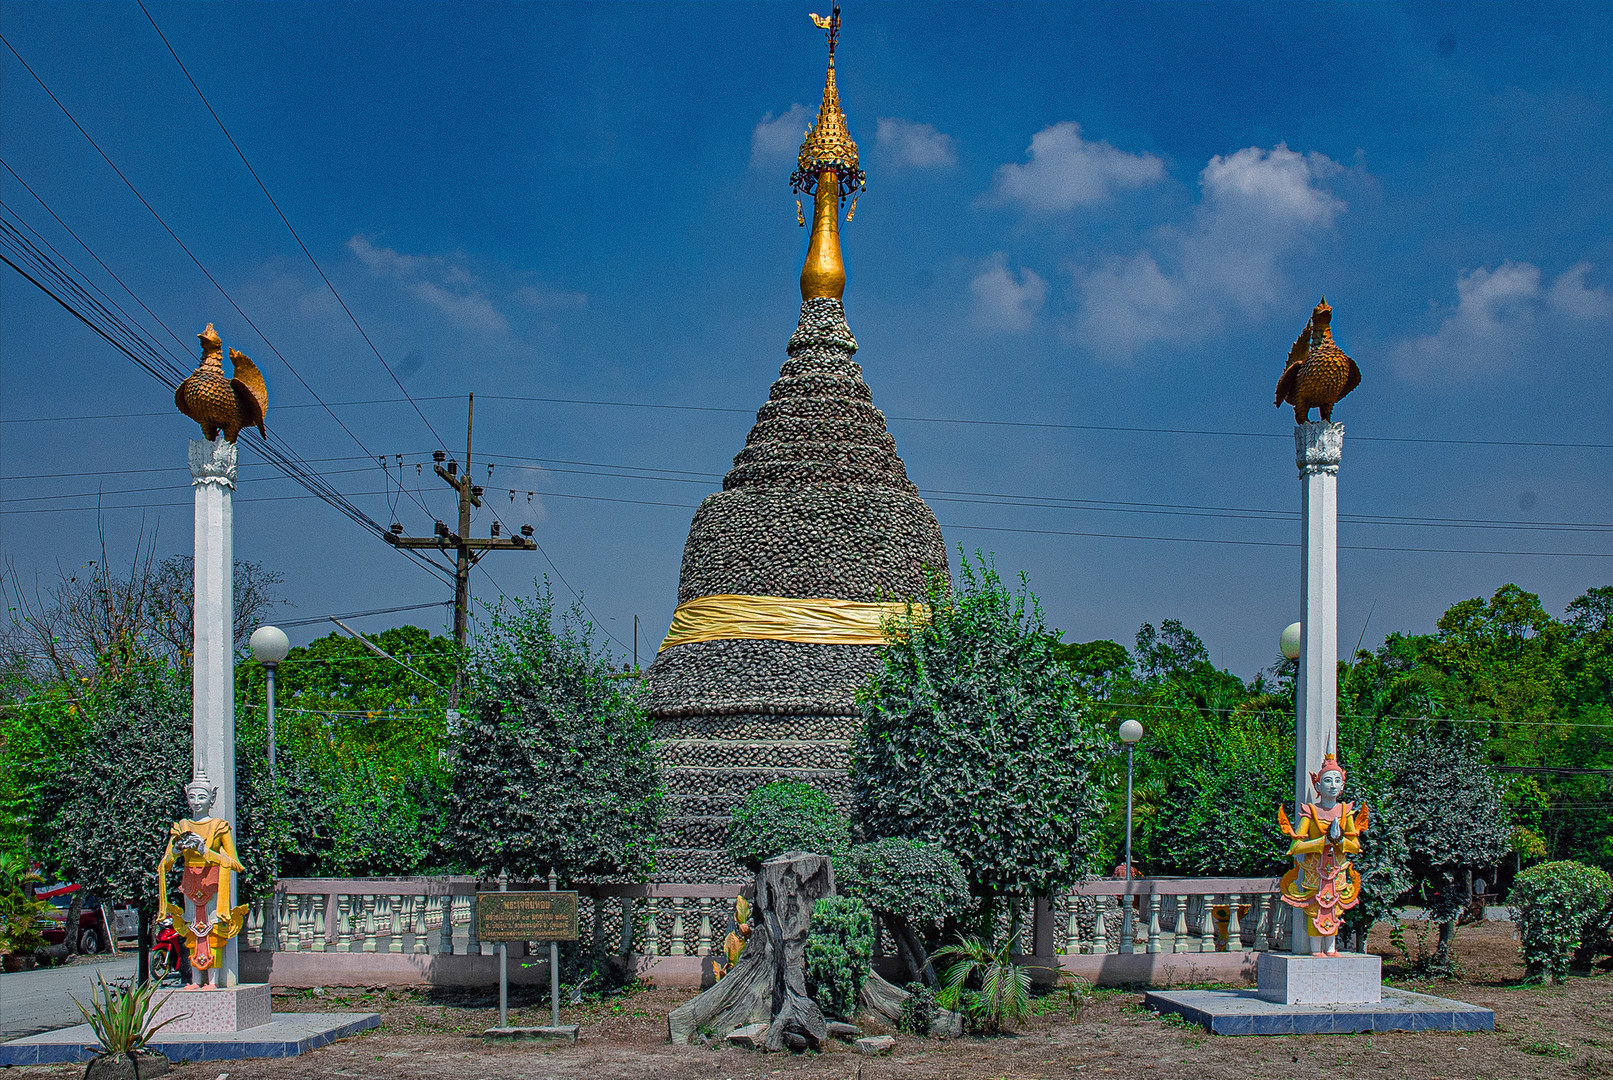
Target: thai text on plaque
526,916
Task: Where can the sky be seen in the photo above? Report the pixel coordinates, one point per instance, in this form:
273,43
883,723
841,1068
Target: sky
1091,233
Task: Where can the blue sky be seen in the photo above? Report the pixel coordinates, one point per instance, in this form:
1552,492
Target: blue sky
1109,220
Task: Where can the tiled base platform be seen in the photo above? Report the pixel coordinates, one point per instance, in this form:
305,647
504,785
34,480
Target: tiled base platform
285,1035
1244,1012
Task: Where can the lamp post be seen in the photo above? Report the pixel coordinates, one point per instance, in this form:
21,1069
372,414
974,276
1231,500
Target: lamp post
1130,732
269,647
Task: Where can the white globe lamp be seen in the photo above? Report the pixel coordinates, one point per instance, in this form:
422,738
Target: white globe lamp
1289,642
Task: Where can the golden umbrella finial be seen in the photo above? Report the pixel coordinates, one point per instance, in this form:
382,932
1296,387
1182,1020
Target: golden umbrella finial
827,170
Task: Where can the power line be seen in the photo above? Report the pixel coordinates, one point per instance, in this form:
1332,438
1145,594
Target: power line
183,247
363,614
319,269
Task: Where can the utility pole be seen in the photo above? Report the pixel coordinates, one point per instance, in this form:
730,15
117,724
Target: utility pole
468,550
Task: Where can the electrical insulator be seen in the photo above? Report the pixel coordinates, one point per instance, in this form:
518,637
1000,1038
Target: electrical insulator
495,529
397,528
526,530
439,456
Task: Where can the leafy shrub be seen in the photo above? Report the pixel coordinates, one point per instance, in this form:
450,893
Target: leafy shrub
1223,785
922,883
785,816
919,1010
1000,996
554,765
19,923
1559,905
839,954
975,737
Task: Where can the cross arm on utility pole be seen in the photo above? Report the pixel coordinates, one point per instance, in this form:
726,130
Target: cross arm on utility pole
453,542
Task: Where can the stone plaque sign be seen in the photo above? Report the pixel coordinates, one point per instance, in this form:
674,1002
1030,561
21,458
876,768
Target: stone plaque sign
526,916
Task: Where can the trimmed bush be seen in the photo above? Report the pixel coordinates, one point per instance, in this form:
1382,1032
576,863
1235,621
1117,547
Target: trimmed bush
919,1010
1560,905
839,954
785,816
922,883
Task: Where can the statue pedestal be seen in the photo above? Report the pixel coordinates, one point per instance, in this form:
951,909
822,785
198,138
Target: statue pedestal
1348,979
232,1008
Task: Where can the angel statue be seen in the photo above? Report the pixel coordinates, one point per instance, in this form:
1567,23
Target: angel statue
206,848
1323,883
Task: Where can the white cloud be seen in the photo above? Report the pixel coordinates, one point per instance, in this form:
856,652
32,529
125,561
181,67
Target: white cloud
1570,296
543,298
777,139
445,285
1003,303
1066,171
916,146
1257,207
1501,316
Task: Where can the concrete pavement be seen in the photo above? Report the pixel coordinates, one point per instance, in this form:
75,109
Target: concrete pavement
34,1001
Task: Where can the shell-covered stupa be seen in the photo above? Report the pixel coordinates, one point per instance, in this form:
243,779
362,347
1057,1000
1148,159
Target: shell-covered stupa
816,535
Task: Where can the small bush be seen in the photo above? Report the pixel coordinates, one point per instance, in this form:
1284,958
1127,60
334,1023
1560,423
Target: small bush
1001,995
839,954
922,883
919,1010
785,816
1559,906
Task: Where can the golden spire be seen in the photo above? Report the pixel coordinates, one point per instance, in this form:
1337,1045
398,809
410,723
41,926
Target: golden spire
827,170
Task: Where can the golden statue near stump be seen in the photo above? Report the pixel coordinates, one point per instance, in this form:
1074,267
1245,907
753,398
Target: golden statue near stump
1318,373
206,847
1323,883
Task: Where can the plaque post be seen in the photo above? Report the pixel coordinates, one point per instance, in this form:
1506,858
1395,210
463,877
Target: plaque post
503,963
554,965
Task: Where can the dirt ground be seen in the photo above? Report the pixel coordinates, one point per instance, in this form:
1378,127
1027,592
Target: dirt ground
1546,1032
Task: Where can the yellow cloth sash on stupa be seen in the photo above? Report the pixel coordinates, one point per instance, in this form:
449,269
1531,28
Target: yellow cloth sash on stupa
783,618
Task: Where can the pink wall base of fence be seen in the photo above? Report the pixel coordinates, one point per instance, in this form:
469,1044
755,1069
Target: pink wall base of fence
304,970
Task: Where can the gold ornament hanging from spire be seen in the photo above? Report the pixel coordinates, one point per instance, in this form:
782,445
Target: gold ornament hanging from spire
826,169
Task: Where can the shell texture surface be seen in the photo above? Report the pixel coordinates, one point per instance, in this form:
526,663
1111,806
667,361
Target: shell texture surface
817,505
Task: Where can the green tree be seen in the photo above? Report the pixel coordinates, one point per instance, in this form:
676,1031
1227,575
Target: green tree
103,812
554,765
974,737
785,816
1451,801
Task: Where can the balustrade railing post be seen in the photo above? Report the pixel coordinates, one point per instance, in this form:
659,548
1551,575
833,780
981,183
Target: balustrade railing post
1234,922
678,948
324,911
368,940
652,931
1179,938
1153,922
445,932
703,946
1100,928
293,922
344,922
1207,924
418,905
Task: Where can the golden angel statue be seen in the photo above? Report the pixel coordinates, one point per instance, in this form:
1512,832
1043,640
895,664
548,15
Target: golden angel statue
1323,883
206,848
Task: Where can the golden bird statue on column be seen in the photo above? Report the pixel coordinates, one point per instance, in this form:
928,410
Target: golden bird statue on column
220,404
1318,373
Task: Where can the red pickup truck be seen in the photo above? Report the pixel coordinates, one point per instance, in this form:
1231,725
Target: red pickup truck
93,936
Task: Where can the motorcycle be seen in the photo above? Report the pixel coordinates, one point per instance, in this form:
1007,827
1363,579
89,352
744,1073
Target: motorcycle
168,953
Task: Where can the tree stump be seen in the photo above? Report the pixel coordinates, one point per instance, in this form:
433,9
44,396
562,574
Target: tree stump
768,983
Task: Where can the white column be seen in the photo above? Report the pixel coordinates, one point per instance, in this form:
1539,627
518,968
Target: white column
1318,448
212,471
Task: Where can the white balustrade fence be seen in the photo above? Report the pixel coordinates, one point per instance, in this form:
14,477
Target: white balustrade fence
436,916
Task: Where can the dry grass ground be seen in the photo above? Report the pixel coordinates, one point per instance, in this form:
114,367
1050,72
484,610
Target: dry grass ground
1546,1032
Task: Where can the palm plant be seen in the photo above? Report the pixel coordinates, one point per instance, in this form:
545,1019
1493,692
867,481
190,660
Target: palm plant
1003,996
121,1016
